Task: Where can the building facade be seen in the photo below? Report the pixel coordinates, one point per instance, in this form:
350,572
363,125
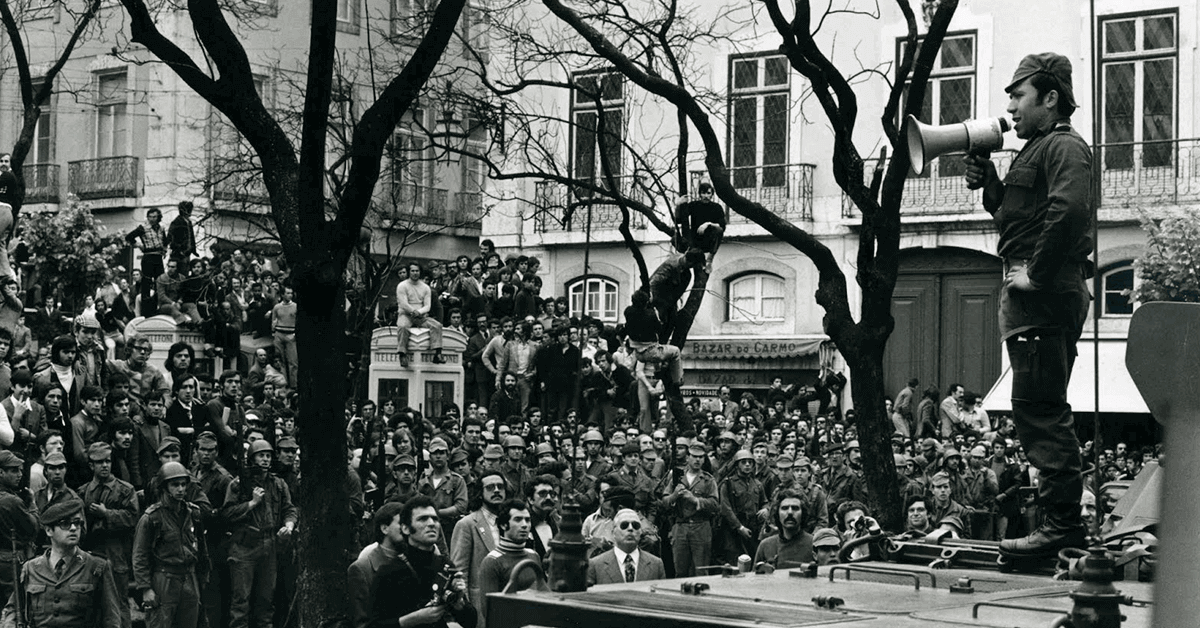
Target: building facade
760,317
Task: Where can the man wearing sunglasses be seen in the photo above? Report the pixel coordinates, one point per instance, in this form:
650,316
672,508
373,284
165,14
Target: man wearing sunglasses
625,562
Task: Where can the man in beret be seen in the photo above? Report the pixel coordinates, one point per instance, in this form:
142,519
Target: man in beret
51,581
691,499
16,509
447,488
112,510
1043,211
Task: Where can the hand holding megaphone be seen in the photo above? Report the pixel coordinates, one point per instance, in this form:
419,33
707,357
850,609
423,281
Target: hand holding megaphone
981,171
975,137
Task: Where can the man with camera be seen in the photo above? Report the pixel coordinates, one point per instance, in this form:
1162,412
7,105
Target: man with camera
1044,214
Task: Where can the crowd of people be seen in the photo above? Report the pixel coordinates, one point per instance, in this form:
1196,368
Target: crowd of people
171,492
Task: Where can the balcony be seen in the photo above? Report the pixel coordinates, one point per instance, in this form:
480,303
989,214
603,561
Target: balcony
940,190
1133,176
468,210
551,200
41,183
107,177
420,204
785,190
240,192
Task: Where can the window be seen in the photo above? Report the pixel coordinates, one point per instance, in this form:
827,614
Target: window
758,104
42,150
587,147
1116,283
1138,57
406,16
595,297
112,116
347,16
950,94
756,298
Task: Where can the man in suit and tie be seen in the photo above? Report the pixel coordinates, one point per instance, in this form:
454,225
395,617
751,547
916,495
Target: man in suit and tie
625,562
476,534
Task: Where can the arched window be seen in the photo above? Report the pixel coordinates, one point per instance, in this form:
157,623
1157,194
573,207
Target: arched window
1116,282
756,298
595,297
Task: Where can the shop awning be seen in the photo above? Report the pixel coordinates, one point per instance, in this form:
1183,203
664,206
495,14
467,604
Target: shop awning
726,348
1117,391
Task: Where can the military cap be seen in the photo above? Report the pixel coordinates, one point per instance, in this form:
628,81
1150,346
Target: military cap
55,459
938,477
543,449
619,496
900,459
826,537
439,444
951,452
783,462
618,438
696,449
802,461
834,448
287,442
492,452
650,452
458,456
1049,63
979,450
727,435
593,436
58,512
929,443
741,455
389,449
166,443
207,437
9,459
513,441
852,445
683,440
95,451
631,449
404,460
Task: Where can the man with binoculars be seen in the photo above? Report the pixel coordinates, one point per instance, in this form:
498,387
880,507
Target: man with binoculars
1044,214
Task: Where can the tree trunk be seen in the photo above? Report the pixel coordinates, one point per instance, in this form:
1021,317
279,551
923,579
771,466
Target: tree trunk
327,532
875,436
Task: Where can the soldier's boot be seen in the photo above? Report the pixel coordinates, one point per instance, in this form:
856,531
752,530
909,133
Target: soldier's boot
1062,528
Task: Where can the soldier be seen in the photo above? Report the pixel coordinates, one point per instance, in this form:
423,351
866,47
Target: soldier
112,509
837,479
404,478
982,488
288,569
692,499
259,509
815,509
581,488
18,524
943,505
593,443
170,559
633,477
722,458
51,582
742,498
447,489
56,489
169,450
513,467
214,480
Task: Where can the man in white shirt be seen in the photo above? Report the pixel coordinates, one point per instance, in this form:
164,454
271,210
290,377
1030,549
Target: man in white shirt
414,299
625,562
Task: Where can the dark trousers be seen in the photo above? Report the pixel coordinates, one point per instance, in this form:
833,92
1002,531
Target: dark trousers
178,601
691,547
215,596
557,400
252,571
1041,363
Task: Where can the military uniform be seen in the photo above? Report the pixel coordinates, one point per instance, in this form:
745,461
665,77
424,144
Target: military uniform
84,595
691,532
111,535
170,557
741,499
215,594
518,477
16,520
581,489
252,560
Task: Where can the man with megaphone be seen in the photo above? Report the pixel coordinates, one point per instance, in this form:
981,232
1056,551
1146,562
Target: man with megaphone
1044,214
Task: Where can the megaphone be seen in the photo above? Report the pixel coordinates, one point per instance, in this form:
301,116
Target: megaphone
927,142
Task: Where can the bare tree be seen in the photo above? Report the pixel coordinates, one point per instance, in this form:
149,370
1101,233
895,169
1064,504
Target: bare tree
860,342
317,236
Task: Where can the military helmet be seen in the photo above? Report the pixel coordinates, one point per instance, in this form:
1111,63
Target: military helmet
172,470
261,444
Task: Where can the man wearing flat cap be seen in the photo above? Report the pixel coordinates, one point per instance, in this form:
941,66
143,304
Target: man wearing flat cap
51,581
56,489
112,511
17,520
692,501
1044,214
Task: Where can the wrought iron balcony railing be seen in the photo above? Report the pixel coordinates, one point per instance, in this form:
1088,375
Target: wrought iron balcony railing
468,209
107,177
785,190
41,183
420,203
562,209
941,189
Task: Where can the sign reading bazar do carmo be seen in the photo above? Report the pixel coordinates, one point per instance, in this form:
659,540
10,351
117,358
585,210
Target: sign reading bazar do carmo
751,348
